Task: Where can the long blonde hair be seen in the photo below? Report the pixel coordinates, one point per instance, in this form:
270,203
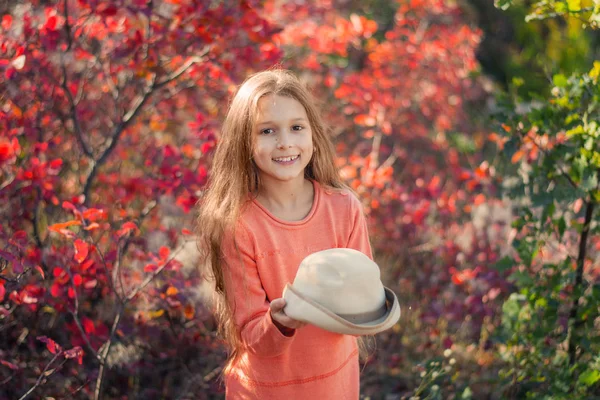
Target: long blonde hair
234,175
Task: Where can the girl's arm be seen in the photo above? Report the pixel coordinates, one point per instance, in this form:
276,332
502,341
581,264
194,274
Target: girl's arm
248,300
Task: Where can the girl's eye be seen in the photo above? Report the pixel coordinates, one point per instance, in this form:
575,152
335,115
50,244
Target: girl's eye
297,127
266,131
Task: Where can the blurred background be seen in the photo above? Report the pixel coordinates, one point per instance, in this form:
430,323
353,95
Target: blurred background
468,129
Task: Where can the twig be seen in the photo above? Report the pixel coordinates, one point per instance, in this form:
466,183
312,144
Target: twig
104,353
38,383
75,315
562,172
151,277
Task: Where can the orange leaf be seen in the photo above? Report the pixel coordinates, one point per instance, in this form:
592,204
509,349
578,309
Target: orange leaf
479,199
186,231
517,156
63,225
81,250
93,225
189,311
364,119
94,214
172,291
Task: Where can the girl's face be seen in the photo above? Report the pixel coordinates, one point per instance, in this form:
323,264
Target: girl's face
283,143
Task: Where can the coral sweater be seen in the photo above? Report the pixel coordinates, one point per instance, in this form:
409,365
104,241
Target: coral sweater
311,363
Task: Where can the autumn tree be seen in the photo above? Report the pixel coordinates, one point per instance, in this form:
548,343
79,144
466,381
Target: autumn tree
109,115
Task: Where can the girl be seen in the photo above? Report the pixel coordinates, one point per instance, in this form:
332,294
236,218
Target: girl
274,197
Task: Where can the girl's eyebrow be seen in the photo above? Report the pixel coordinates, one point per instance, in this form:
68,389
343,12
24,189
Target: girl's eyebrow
275,122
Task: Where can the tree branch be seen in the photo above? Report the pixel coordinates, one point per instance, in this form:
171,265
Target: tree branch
130,116
571,334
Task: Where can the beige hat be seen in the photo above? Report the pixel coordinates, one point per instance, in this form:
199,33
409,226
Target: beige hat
340,290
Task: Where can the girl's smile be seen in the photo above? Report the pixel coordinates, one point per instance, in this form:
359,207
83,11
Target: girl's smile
287,160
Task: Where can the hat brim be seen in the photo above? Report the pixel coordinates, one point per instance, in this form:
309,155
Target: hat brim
302,308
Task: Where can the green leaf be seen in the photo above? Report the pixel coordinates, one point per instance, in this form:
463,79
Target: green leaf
589,182
467,394
589,377
511,307
521,278
578,130
502,4
560,80
504,264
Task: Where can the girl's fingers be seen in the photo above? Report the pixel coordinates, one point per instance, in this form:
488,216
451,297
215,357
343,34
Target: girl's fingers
279,315
277,305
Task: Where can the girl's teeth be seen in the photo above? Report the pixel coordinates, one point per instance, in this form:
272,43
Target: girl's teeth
285,159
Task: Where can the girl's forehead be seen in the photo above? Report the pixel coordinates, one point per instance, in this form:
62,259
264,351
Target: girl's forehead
278,105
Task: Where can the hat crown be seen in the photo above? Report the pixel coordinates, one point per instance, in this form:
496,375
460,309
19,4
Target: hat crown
345,281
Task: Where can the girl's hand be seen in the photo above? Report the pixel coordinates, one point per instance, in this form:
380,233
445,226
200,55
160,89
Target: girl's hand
284,323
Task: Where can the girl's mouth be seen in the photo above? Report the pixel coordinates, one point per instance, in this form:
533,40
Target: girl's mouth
286,160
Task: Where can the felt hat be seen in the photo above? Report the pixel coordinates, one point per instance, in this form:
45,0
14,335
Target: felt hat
340,290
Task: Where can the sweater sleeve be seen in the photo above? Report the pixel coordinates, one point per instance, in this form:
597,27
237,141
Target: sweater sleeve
359,235
248,299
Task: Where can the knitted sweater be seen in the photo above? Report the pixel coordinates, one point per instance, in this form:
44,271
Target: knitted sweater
312,363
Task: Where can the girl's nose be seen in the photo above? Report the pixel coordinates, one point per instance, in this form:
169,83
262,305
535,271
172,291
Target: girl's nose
283,140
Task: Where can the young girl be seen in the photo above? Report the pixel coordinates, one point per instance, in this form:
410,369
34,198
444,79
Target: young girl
274,197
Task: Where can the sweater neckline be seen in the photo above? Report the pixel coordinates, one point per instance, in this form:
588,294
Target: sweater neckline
306,219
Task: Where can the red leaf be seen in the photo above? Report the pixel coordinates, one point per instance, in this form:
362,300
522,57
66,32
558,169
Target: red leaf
75,352
86,265
109,10
55,164
164,253
68,206
2,290
71,292
52,346
51,23
77,280
9,365
55,290
88,325
81,250
57,271
186,231
126,229
150,267
207,146
6,22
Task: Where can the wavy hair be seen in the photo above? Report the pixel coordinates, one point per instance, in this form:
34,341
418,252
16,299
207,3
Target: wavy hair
234,176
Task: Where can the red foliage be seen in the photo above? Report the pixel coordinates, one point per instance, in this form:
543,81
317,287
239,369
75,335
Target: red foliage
108,126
